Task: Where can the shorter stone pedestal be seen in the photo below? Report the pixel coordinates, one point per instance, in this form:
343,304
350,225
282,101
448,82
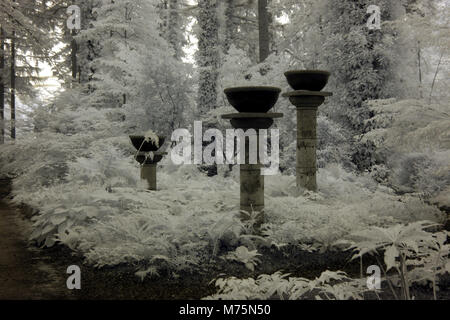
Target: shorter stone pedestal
148,172
148,167
251,180
306,103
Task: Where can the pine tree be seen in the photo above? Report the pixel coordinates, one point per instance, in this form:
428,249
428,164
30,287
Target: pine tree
129,69
26,27
173,23
2,86
334,36
107,46
239,24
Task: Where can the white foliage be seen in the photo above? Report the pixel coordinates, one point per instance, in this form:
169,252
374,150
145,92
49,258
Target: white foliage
412,136
330,285
243,255
415,253
102,212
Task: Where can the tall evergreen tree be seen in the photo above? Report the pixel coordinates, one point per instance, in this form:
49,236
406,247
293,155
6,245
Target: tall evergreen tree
175,27
26,27
128,67
2,86
12,84
335,37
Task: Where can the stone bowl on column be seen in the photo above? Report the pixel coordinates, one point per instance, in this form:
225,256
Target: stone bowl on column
253,104
311,80
252,99
140,144
307,97
148,163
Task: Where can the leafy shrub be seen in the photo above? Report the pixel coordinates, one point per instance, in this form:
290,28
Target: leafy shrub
410,137
330,285
415,254
243,255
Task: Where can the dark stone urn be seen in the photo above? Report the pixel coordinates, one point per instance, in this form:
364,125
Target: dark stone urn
307,97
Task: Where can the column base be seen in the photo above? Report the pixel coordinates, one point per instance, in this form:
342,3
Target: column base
252,193
306,178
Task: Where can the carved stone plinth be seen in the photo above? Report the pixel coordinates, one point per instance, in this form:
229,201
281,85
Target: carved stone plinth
251,180
306,103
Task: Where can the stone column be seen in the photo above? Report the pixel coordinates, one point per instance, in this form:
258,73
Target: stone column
148,167
251,179
252,186
148,173
307,103
306,148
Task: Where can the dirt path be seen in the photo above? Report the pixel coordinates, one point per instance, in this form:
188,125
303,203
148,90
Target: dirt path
25,273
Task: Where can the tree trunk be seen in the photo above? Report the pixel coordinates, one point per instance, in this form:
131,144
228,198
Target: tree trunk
419,59
436,73
208,55
13,85
163,6
74,48
229,26
2,87
264,36
173,28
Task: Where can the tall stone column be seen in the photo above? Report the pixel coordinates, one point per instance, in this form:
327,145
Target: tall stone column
306,148
252,184
252,104
306,103
251,179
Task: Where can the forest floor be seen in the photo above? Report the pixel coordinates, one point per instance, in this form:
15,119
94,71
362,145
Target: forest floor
28,272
